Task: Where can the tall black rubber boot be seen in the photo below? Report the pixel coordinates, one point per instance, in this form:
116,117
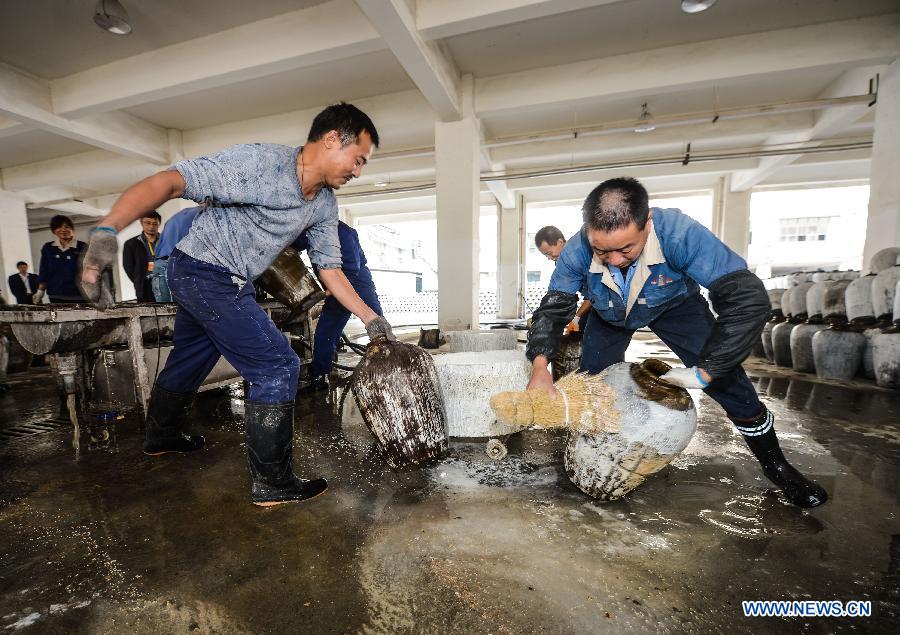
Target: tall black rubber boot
760,436
166,415
270,449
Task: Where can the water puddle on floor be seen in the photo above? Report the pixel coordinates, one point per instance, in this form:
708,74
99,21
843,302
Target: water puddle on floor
760,516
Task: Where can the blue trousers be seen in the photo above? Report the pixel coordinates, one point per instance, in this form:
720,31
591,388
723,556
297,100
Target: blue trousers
332,322
218,315
684,328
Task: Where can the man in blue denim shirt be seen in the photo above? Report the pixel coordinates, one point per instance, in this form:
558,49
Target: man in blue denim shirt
334,316
259,198
641,267
176,228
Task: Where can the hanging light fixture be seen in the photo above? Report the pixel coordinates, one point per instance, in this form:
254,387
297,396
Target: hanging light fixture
111,16
645,121
696,6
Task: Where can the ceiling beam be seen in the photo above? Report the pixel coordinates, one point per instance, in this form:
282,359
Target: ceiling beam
76,207
298,39
699,64
828,124
27,100
11,127
316,35
428,67
437,19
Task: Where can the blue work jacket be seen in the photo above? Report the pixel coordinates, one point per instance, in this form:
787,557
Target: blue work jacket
680,255
353,259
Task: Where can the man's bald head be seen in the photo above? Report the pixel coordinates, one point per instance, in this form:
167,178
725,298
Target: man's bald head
615,204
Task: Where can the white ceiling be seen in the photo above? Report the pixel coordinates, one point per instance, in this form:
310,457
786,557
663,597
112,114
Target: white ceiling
274,97
55,38
638,25
350,79
36,145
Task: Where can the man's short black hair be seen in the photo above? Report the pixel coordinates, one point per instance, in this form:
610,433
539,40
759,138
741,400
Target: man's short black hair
347,119
549,234
59,220
153,214
615,204
20,263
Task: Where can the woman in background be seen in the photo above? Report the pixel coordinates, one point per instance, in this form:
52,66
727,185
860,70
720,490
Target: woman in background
59,264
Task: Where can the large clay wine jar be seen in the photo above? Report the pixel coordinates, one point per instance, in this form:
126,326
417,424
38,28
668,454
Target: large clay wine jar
396,388
886,349
777,317
656,423
781,333
802,334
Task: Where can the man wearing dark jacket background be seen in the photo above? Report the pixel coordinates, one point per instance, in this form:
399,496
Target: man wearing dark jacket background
23,284
641,267
138,255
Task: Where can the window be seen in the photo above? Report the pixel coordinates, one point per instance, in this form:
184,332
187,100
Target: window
800,230
534,276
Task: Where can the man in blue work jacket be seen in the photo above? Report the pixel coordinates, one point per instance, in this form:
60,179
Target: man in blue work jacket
334,316
642,267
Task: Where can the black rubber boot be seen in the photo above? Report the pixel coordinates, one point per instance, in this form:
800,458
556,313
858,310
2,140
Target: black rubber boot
166,416
760,436
270,448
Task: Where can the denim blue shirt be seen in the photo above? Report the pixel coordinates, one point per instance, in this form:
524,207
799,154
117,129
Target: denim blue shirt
175,229
353,259
680,255
255,208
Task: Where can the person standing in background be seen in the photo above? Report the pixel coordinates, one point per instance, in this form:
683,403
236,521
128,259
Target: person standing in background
5,330
23,284
59,264
176,228
550,241
139,256
334,315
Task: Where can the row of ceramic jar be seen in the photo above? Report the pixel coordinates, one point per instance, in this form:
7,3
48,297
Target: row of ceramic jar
839,326
793,279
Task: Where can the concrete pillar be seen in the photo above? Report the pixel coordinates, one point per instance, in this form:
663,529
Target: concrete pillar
883,225
15,244
510,250
731,217
457,192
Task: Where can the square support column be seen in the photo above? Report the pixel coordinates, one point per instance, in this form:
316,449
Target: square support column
510,248
731,217
883,225
15,244
457,193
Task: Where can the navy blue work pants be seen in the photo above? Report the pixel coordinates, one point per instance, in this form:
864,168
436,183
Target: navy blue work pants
218,315
684,328
332,322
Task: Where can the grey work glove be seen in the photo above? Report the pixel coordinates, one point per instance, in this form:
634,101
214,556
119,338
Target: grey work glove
100,256
378,328
37,297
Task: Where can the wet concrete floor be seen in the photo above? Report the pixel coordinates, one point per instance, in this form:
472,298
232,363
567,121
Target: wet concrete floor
120,542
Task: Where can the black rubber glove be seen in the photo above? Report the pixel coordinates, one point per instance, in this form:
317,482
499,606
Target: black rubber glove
380,328
547,323
742,305
99,257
